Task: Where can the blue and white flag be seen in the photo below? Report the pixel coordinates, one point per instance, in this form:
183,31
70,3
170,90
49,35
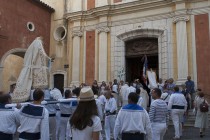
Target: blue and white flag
145,66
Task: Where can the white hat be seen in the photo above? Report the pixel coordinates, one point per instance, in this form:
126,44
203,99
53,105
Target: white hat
86,94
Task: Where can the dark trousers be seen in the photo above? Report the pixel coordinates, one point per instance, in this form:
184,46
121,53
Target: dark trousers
4,136
132,136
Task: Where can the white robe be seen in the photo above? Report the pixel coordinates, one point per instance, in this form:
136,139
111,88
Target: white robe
152,79
145,97
123,93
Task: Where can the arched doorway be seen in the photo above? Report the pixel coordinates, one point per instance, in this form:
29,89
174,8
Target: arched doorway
135,50
158,36
10,66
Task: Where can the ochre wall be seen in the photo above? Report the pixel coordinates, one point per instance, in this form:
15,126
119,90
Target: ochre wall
202,52
12,67
14,15
90,57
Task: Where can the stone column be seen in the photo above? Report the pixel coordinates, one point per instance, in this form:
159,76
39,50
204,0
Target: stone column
76,57
182,52
103,44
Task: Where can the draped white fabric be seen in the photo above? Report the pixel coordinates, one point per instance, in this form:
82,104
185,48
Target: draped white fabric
34,73
152,79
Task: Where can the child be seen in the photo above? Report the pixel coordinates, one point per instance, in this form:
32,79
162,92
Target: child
8,118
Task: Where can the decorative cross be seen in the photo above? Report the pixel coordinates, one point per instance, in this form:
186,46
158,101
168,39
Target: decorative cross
121,73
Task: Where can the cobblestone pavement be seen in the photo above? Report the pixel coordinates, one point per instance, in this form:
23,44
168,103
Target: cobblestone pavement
189,133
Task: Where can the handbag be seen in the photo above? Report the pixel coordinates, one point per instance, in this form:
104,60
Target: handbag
204,107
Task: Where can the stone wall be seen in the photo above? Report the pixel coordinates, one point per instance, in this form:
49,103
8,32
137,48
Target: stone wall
115,21
165,44
12,68
20,23
15,16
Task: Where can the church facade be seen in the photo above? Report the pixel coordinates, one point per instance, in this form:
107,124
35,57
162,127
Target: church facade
106,39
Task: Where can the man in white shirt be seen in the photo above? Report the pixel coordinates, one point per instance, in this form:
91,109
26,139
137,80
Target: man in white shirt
100,109
102,99
34,119
123,93
178,105
52,110
115,91
165,96
158,115
8,118
110,114
66,112
132,121
160,84
56,94
128,91
144,95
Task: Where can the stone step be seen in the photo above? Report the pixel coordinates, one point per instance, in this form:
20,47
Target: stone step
190,121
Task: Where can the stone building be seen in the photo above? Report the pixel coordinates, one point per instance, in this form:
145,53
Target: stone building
21,21
101,39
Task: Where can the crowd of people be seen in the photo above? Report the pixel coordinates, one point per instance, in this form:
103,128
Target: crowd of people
127,111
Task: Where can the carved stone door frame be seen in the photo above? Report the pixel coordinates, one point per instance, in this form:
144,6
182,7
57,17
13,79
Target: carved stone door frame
141,46
162,45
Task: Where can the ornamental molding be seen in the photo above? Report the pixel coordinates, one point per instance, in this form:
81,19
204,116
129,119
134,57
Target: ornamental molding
77,33
103,29
180,18
109,10
139,33
131,7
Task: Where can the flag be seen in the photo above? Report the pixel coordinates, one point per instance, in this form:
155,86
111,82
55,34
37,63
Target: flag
145,66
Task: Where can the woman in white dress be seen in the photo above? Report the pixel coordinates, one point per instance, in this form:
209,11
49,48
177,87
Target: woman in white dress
85,123
201,120
102,87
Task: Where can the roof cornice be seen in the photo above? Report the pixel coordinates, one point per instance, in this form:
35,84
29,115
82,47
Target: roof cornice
111,10
44,5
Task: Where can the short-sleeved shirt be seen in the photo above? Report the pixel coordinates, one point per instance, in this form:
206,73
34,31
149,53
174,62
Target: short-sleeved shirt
115,88
190,86
86,134
8,120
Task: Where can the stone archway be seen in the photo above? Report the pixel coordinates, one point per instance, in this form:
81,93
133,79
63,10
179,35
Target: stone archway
160,34
17,51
